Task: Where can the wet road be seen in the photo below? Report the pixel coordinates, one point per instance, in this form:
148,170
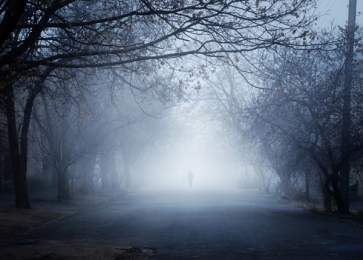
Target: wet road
192,224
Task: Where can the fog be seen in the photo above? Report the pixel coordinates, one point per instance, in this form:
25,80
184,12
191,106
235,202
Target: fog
237,114
194,146
182,128
183,121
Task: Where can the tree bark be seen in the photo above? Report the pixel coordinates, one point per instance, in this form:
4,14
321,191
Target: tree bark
64,192
326,196
334,191
19,154
14,11
2,154
327,201
337,194
307,185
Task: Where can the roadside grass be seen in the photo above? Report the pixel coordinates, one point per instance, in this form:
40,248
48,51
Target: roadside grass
14,222
317,207
97,197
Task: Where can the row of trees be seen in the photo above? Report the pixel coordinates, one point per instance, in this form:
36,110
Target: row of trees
52,51
83,139
294,120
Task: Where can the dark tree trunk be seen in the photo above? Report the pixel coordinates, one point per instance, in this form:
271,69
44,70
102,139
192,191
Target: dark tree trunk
332,189
326,196
59,154
337,195
64,192
61,167
11,18
64,166
2,162
59,186
307,185
344,187
18,154
327,201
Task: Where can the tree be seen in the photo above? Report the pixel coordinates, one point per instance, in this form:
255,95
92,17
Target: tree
38,36
302,105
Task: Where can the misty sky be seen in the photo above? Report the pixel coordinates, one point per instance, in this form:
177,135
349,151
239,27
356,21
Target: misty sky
337,11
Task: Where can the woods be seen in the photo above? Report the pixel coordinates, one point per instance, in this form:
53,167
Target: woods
83,85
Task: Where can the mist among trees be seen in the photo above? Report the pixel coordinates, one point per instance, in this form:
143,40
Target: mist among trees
111,95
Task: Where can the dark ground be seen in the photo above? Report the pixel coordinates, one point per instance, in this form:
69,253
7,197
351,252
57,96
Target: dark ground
191,224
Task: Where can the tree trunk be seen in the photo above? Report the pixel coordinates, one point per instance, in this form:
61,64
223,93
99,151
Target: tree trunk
18,154
285,184
59,186
326,195
2,154
64,165
59,153
335,192
64,192
344,187
261,180
105,171
307,185
327,201
337,195
115,177
127,174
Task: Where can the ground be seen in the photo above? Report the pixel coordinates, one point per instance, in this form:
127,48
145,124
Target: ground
175,224
15,223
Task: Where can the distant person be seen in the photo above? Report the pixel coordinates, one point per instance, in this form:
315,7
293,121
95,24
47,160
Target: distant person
190,178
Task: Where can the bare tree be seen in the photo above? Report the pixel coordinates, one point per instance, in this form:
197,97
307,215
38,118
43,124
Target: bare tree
303,106
38,35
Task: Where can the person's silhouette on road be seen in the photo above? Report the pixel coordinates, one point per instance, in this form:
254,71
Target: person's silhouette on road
190,178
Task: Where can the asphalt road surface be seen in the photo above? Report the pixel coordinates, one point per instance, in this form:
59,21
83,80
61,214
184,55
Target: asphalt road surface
200,224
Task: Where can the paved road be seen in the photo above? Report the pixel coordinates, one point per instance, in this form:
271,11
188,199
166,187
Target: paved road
192,224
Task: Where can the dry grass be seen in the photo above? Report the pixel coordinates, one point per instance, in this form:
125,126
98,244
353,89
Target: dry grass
355,216
79,199
16,222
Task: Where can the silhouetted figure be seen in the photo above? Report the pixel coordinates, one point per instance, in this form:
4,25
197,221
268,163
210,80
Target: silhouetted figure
190,178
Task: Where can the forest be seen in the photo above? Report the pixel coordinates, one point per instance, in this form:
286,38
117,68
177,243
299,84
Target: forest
91,90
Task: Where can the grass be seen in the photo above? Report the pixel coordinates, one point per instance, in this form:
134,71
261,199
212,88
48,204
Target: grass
14,222
317,207
78,199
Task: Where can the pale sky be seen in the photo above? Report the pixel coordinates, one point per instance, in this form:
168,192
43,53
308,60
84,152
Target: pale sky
337,10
